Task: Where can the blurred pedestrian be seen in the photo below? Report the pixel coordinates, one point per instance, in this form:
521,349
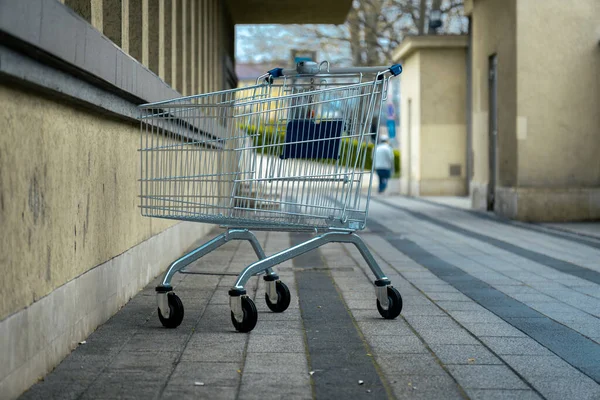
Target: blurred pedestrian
384,162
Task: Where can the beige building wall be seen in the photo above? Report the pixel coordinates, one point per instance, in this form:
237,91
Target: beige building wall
493,32
75,247
548,166
443,127
433,136
72,202
558,99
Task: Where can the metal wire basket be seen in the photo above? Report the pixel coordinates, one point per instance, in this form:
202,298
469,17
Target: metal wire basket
285,154
289,153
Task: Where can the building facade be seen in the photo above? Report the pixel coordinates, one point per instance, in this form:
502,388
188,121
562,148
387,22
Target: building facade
535,108
74,245
433,110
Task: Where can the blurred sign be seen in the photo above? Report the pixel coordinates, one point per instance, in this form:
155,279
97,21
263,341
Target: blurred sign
391,120
303,55
390,111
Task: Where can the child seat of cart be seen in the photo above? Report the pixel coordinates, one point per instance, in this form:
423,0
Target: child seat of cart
304,138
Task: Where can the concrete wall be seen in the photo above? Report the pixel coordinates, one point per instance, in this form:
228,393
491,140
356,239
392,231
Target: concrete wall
494,32
548,95
74,246
433,137
443,127
68,194
558,99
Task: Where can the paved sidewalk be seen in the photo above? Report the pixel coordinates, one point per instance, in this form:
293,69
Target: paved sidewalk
591,229
451,201
492,310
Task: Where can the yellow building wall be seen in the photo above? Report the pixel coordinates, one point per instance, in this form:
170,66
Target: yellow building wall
433,136
410,106
558,100
443,114
494,32
548,116
68,187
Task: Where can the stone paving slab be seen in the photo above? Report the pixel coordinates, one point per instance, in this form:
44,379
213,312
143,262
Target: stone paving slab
455,339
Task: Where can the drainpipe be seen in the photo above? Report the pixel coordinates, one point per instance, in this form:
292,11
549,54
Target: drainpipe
469,106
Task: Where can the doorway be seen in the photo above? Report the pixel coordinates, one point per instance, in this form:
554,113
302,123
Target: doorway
493,130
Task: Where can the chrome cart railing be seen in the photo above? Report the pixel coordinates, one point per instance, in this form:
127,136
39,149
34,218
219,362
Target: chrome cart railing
287,154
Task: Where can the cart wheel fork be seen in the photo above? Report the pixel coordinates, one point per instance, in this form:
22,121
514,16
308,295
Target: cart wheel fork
381,290
235,303
162,298
271,283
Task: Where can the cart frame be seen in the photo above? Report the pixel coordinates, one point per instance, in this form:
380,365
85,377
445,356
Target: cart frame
362,83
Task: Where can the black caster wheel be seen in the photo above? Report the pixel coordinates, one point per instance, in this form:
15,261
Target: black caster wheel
175,312
395,304
250,316
284,297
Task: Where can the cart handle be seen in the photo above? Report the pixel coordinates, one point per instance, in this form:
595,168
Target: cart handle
312,68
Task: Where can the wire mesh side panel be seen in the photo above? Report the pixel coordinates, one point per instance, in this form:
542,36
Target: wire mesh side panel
248,158
308,157
189,156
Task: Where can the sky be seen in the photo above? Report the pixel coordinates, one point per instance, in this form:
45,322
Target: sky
265,43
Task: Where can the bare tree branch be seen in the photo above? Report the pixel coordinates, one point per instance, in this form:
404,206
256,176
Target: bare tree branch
373,30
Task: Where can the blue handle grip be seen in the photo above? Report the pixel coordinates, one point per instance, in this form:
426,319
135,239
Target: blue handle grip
396,69
276,72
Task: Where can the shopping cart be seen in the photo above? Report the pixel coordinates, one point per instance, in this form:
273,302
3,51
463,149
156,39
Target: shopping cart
287,154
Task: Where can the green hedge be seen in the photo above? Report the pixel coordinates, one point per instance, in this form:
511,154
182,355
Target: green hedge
349,150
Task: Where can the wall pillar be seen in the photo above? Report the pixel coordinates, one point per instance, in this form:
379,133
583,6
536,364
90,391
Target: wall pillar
152,35
194,48
187,47
183,53
135,29
96,14
125,26
173,36
199,45
178,45
165,46
111,20
210,44
204,44
81,7
218,46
